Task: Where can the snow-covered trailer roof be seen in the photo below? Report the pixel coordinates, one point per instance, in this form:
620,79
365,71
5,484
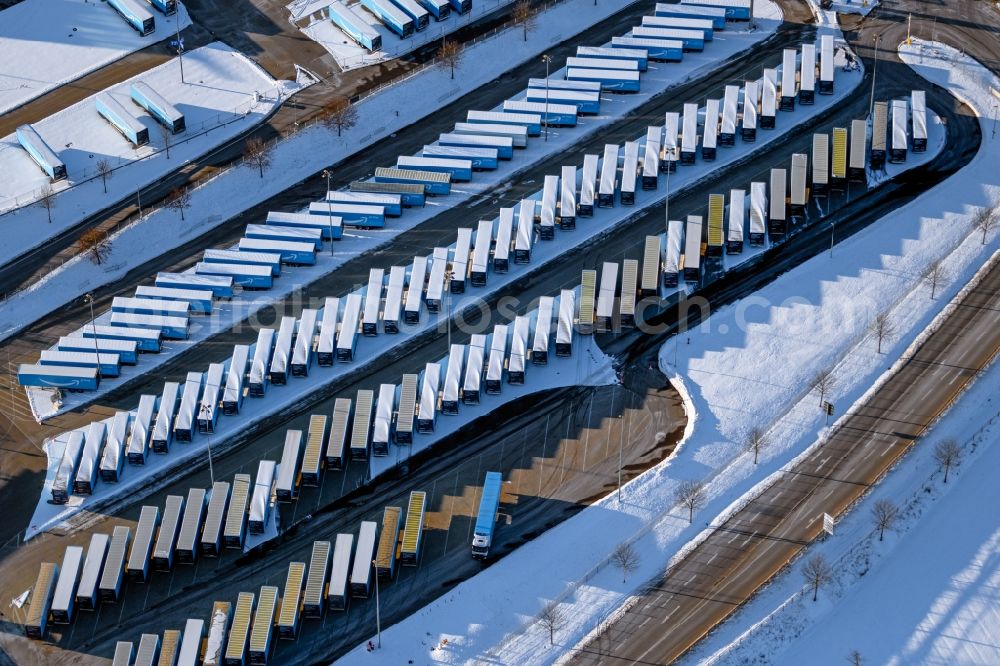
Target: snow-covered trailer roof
567,310
651,153
800,167
788,73
549,193
439,266
750,100
382,426
609,169
415,285
474,364
525,225
328,326
737,210
918,103
692,242
453,374
519,344
588,181
481,252
730,103
505,230
630,166
779,189
282,346
394,294
373,298
807,76
543,325
899,123
429,392
769,97
711,137
498,349
347,336
567,192
261,356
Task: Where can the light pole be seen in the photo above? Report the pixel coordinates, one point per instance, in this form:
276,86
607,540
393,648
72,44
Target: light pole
378,609
329,203
546,59
180,44
833,227
871,103
206,413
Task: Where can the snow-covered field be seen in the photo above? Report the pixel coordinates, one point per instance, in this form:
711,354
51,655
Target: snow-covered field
305,153
930,587
315,23
224,94
46,43
747,365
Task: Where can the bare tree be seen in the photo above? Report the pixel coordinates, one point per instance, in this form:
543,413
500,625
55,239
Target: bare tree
755,441
104,171
525,16
884,515
817,571
341,115
822,383
934,275
552,619
96,243
450,55
47,199
179,199
883,328
257,153
854,658
946,454
691,495
168,138
985,220
626,558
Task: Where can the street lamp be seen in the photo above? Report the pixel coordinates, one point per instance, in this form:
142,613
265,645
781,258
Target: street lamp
546,59
206,413
89,300
378,609
329,203
871,103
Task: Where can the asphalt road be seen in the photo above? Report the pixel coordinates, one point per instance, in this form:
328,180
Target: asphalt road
741,555
758,541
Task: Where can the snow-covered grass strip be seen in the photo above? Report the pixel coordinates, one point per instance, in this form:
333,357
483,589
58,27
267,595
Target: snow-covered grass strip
46,43
745,366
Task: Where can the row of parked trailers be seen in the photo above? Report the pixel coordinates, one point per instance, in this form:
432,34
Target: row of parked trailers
273,358
403,17
337,572
257,259
116,114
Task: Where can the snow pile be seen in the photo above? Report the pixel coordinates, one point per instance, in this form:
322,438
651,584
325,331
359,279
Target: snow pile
747,365
224,94
46,43
303,154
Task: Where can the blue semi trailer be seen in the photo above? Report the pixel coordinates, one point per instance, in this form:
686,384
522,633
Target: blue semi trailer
486,519
354,26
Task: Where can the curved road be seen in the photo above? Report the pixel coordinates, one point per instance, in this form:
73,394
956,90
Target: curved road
756,543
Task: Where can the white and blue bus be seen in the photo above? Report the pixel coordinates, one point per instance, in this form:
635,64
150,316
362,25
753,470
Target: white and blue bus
136,15
161,110
40,152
